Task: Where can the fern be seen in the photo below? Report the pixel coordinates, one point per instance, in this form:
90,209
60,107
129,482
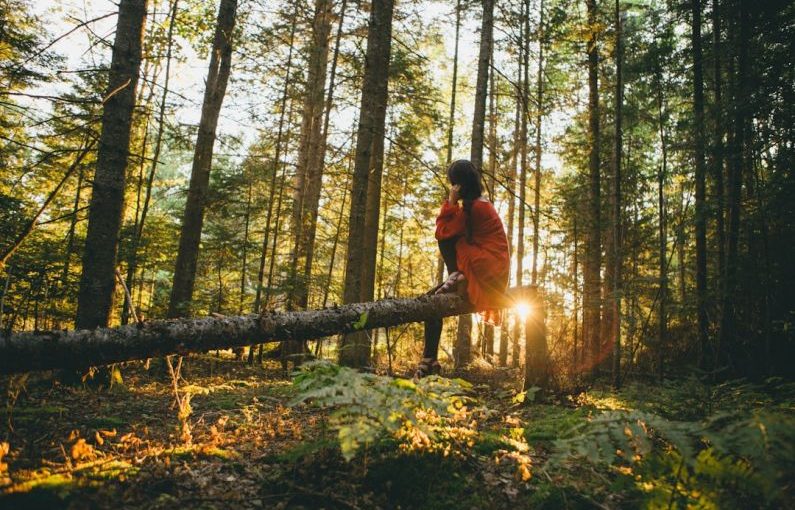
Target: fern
720,461
368,407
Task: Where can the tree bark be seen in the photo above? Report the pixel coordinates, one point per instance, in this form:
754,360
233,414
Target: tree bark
275,166
616,199
593,255
215,89
309,172
463,347
77,349
97,283
132,263
355,349
700,178
524,62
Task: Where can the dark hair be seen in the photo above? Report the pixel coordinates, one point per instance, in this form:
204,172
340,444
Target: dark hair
464,173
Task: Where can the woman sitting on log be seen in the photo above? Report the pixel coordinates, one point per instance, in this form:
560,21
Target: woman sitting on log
475,250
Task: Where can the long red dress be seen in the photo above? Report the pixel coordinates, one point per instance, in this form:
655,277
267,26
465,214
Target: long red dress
485,263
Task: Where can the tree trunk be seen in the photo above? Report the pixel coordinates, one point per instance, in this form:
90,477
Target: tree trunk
23,352
463,348
132,262
662,335
736,169
309,172
538,148
215,89
700,177
511,178
355,349
616,199
536,363
718,149
275,168
524,62
488,330
592,279
97,283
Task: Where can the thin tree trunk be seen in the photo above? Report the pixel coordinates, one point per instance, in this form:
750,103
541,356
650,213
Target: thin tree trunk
190,235
662,338
718,149
97,283
463,350
275,167
512,198
538,148
617,155
132,263
355,349
451,121
524,92
700,178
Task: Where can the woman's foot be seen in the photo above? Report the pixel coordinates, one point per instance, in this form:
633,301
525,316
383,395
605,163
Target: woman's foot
452,283
428,366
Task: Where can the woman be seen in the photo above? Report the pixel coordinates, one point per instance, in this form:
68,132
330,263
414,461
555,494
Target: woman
475,250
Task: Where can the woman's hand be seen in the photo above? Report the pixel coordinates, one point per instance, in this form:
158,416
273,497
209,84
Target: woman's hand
454,194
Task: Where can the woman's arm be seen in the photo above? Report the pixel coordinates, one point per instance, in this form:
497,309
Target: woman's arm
451,221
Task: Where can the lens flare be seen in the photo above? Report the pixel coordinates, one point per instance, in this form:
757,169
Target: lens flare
522,310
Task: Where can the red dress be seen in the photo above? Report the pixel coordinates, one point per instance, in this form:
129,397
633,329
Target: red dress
485,263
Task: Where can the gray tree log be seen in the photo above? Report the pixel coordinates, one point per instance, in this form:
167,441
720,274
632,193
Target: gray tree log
28,351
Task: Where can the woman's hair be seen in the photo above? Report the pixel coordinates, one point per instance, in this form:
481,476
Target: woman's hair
464,173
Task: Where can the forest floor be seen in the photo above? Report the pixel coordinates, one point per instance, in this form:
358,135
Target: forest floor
73,447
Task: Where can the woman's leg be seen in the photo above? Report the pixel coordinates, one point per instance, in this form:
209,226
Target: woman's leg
447,248
433,327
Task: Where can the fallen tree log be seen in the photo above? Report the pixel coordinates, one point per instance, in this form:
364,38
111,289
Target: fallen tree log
45,350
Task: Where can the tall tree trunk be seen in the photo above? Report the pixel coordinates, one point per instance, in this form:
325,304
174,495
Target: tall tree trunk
616,199
536,364
275,169
309,172
97,283
488,329
451,121
244,262
538,148
700,177
463,348
132,262
718,149
524,62
593,255
215,89
662,334
736,168
511,179
454,85
315,195
355,348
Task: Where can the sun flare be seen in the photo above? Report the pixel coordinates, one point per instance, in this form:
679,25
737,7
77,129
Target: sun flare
522,309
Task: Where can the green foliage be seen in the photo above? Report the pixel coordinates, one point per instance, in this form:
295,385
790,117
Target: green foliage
731,459
367,407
